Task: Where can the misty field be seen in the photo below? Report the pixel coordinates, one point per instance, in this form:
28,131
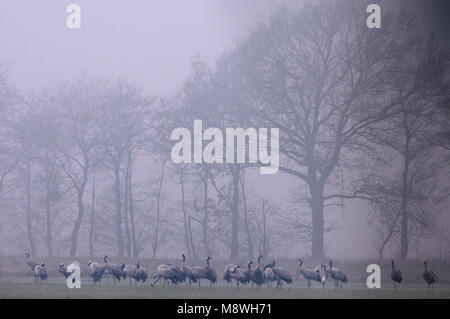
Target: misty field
16,281
23,287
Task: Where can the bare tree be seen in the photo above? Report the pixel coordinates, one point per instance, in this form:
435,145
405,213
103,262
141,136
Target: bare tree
323,78
10,152
159,202
246,218
124,116
413,193
77,104
187,225
92,217
263,231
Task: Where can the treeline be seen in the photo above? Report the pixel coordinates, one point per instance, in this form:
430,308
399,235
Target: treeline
363,115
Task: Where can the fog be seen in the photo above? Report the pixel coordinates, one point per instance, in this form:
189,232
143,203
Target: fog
151,44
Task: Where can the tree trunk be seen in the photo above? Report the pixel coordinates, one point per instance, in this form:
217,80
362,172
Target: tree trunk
48,206
205,217
118,217
235,216
247,226
404,241
77,225
158,212
131,210
191,239
126,206
28,206
265,240
92,220
183,206
317,205
388,238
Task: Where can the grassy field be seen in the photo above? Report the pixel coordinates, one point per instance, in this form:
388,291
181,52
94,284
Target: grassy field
23,287
16,281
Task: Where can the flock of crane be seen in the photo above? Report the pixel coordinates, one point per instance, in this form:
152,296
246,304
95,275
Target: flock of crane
172,275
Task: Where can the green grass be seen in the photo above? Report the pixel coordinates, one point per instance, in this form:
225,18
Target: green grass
23,287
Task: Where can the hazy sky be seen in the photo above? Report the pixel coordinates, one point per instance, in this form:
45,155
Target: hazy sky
149,43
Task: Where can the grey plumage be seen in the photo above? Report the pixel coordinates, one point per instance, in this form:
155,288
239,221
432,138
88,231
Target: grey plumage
93,266
116,271
337,275
163,271
396,275
210,273
112,269
130,272
97,271
40,273
188,270
199,272
280,275
178,274
268,273
324,273
241,276
257,275
226,273
309,274
429,276
30,263
63,270
141,273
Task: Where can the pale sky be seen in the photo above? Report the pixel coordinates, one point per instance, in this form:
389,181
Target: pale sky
149,43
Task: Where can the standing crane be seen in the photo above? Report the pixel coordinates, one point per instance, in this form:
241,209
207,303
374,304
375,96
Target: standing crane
188,270
337,275
309,274
141,273
429,276
281,275
226,273
396,275
39,271
257,275
239,275
268,273
211,274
